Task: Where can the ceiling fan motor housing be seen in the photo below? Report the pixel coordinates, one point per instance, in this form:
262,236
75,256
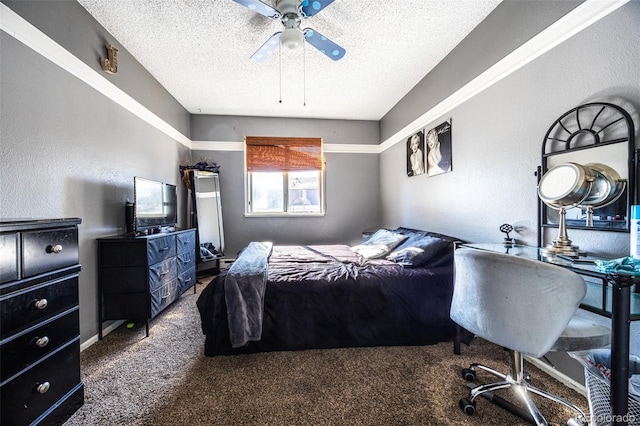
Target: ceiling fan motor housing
291,36
289,7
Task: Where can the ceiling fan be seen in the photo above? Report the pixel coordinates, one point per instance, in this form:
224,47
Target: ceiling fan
291,13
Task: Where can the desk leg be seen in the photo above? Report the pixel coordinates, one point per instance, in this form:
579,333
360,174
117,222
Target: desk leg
620,354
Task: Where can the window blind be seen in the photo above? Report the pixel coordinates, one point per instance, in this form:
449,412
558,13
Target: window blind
275,154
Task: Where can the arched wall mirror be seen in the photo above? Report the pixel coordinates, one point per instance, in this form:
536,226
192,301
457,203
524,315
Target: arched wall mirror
596,139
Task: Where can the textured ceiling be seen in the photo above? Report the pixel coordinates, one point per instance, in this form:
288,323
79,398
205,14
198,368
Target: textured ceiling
199,51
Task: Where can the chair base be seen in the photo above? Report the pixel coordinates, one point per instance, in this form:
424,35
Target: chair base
496,400
519,380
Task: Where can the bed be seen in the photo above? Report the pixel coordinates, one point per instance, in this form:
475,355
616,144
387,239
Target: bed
393,289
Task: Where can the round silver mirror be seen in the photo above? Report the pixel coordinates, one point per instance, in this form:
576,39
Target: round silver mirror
607,186
567,184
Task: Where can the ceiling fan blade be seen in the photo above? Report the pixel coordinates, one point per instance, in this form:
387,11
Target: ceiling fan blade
260,7
267,48
311,7
323,44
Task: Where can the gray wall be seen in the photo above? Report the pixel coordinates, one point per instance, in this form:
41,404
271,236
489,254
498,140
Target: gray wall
67,150
352,185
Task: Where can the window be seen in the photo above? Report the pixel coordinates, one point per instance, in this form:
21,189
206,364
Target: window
284,176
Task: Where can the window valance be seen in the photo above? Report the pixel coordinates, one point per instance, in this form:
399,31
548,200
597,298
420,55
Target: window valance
270,154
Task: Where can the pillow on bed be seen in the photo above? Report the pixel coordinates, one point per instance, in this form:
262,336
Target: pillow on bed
379,244
371,251
413,239
424,251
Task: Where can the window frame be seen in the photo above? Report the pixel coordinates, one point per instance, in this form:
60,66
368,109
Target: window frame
248,188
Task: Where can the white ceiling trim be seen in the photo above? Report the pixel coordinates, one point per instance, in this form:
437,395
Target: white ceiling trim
575,21
351,148
217,146
572,23
326,147
20,29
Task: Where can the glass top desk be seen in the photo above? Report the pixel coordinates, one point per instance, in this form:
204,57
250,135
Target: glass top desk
608,294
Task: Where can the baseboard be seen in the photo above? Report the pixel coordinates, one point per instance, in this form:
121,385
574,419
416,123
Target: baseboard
105,331
561,377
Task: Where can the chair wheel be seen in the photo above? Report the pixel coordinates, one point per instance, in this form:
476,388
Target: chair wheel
468,407
527,377
468,374
577,422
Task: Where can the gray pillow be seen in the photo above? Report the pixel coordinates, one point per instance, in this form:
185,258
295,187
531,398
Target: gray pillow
426,251
379,244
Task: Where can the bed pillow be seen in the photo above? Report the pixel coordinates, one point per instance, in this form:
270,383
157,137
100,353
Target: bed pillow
381,243
425,251
414,239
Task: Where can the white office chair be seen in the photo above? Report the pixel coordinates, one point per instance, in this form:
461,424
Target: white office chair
526,306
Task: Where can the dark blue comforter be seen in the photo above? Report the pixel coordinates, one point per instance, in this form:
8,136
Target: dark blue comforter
328,297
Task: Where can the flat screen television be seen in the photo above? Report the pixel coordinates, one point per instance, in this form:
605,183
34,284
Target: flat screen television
155,204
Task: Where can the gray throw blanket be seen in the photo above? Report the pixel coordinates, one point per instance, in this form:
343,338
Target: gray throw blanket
244,293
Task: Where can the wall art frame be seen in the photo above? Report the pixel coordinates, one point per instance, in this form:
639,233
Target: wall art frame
438,145
416,154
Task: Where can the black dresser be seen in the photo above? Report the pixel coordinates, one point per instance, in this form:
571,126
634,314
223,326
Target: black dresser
140,276
39,323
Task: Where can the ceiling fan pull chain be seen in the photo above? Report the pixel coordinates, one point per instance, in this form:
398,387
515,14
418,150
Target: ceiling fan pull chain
280,69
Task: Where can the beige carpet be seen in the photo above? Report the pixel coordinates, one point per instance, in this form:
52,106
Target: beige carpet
166,380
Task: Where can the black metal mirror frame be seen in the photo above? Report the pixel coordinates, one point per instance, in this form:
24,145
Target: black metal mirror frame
563,137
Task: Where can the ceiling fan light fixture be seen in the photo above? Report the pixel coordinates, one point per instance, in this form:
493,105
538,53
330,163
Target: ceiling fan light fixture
291,38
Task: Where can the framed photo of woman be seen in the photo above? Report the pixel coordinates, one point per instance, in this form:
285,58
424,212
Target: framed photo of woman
415,154
438,142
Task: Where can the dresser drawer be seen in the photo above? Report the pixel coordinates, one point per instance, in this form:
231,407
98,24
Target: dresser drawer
22,402
23,308
125,252
186,242
9,257
162,297
126,306
161,248
122,279
26,348
186,280
185,261
46,250
162,273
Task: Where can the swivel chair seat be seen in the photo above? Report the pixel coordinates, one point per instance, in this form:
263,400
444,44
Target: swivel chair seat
526,306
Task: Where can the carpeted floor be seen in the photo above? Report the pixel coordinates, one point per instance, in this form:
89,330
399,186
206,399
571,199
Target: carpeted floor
166,380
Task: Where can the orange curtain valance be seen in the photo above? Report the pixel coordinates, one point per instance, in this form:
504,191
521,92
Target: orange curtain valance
271,154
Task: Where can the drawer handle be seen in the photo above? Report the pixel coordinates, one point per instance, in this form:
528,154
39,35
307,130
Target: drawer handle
39,304
42,387
187,280
164,249
166,295
41,342
164,273
54,249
